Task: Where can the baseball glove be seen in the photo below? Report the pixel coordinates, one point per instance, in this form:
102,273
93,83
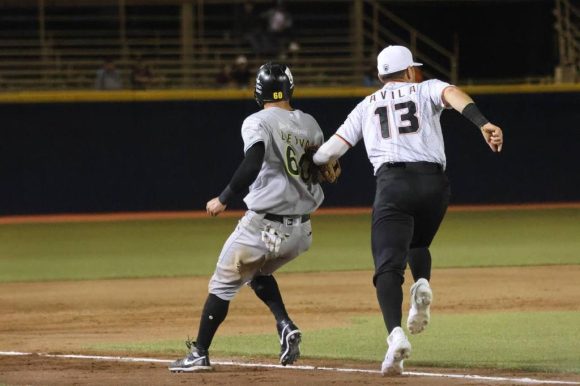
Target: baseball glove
328,172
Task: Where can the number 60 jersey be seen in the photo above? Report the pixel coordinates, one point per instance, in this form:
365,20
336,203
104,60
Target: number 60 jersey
283,185
399,123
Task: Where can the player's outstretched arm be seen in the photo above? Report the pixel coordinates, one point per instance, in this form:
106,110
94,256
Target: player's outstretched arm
463,103
243,177
331,150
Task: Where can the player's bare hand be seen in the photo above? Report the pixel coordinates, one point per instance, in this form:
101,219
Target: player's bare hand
214,207
493,136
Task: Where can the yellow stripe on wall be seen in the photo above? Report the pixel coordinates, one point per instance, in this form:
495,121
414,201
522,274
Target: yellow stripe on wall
232,94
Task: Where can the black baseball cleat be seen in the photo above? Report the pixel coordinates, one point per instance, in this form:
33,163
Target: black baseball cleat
290,338
196,360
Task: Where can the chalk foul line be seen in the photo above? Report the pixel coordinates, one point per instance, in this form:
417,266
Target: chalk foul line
529,381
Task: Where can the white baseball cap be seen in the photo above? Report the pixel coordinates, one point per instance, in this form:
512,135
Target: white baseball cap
395,58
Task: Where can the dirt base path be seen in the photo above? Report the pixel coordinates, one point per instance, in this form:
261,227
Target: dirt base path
64,317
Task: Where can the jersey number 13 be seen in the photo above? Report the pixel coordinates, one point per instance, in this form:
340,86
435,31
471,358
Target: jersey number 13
409,122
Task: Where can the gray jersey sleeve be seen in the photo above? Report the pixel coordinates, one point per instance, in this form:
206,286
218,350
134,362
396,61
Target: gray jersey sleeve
253,131
319,137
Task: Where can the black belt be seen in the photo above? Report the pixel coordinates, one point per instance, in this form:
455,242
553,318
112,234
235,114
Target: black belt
412,165
286,219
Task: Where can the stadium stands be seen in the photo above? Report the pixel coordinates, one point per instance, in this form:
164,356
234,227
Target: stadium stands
62,43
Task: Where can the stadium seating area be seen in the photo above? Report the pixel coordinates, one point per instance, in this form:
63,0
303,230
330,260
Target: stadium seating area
60,44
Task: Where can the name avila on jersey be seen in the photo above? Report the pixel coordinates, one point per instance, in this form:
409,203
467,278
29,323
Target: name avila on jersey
292,139
399,93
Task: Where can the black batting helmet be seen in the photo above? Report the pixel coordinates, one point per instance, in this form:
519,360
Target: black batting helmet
273,83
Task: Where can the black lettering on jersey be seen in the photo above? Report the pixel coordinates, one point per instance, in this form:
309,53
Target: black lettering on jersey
409,121
399,93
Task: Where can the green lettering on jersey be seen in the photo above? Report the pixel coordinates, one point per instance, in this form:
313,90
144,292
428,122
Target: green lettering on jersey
292,165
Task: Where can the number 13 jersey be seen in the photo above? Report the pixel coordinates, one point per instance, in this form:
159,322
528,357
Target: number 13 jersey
399,123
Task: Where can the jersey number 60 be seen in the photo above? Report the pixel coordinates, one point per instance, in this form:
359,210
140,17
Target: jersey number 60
297,167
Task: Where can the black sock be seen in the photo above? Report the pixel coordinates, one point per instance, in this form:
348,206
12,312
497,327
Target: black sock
266,288
390,295
420,263
214,313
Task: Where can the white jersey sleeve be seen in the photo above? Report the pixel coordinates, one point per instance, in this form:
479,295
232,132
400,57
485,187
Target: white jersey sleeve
434,89
253,132
352,128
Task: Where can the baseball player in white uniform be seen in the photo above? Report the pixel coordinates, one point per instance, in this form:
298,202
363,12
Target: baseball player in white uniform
400,126
276,228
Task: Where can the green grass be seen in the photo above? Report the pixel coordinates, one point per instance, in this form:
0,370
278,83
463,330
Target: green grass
69,251
508,238
530,341
536,341
110,250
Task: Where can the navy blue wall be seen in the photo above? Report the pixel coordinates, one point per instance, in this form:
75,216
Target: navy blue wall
101,157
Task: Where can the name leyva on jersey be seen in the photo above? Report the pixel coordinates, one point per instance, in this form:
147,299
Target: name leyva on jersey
293,139
393,94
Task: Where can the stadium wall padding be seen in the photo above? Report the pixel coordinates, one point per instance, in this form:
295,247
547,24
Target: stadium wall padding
84,157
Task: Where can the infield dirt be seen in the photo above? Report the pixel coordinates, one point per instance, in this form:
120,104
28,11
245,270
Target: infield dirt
66,317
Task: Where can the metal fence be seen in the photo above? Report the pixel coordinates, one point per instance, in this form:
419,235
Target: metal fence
60,44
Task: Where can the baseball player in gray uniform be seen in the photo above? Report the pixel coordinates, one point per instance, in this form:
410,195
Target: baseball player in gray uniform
276,228
402,135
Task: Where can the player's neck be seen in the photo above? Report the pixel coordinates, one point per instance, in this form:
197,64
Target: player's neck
400,80
403,79
285,105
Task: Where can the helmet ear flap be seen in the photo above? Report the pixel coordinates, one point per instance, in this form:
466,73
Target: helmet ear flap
259,100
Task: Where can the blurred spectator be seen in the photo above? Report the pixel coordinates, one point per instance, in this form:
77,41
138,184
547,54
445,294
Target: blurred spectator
247,26
293,49
278,30
141,76
108,78
241,74
224,77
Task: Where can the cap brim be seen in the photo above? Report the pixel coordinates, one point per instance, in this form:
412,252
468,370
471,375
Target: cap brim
391,72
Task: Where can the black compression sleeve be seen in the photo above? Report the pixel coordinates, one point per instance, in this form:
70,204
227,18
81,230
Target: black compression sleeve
472,113
246,172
